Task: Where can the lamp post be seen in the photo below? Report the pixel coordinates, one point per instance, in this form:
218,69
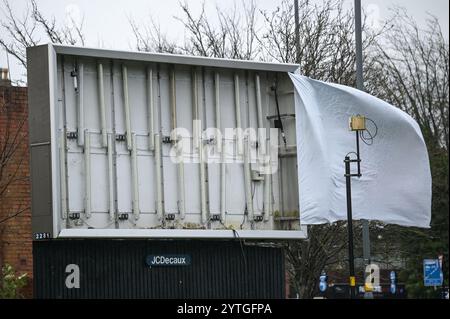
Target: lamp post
360,86
357,124
351,258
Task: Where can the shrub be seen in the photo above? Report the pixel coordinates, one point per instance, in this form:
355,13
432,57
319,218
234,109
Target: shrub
11,283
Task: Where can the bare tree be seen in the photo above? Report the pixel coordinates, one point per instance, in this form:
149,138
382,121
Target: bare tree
324,247
71,33
233,37
411,71
413,74
22,31
19,32
150,38
326,35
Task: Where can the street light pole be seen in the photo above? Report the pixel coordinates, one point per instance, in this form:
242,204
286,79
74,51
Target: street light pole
297,33
351,259
358,44
357,124
360,86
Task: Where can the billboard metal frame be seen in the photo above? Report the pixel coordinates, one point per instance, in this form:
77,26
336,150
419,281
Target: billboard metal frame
43,98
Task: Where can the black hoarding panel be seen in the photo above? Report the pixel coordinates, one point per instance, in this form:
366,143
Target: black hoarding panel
156,269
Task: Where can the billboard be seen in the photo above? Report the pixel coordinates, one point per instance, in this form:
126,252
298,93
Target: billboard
142,145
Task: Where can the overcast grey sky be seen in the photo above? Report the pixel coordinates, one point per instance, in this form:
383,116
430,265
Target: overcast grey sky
106,21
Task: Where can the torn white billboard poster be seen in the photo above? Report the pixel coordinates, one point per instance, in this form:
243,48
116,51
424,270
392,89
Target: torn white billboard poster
395,186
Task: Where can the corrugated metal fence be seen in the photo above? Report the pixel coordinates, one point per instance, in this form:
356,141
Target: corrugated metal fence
117,269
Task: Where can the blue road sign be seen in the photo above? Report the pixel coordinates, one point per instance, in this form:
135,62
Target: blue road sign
393,289
393,277
432,272
323,282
